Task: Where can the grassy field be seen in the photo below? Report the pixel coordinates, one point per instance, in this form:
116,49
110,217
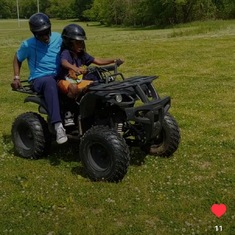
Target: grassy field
196,65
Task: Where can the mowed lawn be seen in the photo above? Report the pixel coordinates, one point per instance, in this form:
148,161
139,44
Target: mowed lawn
163,196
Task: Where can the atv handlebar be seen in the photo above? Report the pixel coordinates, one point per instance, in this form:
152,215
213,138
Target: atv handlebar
106,68
105,72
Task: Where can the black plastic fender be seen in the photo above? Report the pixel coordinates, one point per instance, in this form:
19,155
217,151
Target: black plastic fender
37,100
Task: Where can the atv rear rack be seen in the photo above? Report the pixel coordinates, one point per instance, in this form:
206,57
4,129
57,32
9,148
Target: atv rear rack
27,88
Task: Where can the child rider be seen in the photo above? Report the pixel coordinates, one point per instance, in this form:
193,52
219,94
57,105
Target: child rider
74,60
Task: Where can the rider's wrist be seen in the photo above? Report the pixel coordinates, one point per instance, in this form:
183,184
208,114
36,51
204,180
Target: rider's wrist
16,77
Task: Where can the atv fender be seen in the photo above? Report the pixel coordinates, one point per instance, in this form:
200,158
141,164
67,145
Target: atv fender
37,100
88,105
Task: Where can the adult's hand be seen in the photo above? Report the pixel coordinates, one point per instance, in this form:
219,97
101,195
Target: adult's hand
16,84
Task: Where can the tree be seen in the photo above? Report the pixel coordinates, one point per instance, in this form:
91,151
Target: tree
6,9
225,8
80,6
125,12
61,9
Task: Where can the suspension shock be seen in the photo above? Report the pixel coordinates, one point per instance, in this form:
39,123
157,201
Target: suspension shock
119,127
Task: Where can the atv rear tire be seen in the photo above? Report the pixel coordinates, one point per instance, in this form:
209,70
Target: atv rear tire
168,141
104,154
30,136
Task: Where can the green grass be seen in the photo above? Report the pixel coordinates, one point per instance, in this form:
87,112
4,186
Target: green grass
196,65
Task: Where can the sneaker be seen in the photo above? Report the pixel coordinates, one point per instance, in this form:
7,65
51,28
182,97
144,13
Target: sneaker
61,136
68,121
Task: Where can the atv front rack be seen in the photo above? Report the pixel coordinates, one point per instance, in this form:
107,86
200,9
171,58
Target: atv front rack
128,82
137,85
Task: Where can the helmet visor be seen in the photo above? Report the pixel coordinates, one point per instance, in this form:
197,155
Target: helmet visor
46,32
78,45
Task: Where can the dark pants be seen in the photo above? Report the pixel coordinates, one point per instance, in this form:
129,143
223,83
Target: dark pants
47,87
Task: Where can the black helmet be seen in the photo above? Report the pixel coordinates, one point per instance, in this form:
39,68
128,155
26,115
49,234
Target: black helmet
39,22
73,32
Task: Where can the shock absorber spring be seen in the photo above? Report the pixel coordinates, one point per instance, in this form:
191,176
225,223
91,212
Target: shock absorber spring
119,127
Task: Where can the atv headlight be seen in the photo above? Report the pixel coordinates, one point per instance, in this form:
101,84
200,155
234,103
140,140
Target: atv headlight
118,98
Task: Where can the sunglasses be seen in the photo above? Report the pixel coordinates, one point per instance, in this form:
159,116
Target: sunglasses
43,33
78,42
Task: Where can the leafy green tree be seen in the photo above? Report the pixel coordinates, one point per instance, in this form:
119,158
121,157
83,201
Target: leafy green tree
61,9
6,9
225,8
80,6
124,12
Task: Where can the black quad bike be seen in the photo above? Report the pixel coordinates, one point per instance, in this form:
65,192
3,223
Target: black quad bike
114,114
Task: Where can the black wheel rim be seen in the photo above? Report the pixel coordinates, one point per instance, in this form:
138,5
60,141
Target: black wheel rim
99,157
25,137
159,141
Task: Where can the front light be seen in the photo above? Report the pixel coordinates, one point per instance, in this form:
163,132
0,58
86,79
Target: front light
119,98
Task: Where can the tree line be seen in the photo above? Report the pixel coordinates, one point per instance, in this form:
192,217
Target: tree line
124,12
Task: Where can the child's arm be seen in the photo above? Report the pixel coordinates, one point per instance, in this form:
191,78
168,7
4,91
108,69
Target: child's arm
67,65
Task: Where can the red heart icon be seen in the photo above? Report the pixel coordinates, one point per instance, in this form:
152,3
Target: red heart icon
218,209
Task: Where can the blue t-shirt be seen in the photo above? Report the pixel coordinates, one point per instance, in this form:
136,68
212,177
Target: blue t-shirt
84,59
43,59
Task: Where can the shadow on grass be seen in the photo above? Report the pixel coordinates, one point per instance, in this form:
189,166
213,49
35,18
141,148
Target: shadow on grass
137,156
69,152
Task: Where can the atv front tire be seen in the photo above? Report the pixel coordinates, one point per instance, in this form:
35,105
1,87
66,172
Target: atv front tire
168,141
30,136
104,154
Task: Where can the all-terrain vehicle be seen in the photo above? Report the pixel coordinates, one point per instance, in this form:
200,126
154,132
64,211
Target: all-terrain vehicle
113,115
